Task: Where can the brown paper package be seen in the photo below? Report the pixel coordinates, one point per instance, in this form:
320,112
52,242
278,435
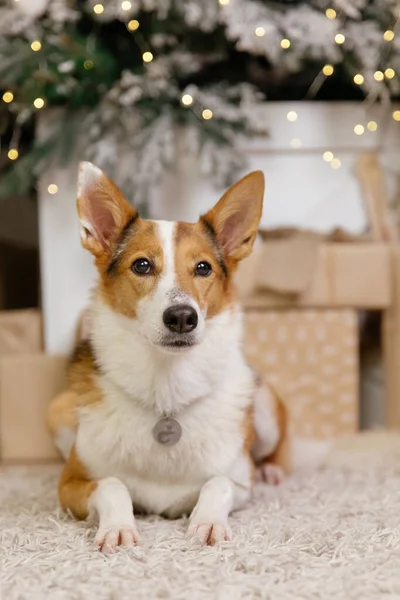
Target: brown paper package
27,384
20,331
311,358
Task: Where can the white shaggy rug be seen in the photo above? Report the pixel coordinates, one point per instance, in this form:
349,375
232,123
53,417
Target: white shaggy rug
334,534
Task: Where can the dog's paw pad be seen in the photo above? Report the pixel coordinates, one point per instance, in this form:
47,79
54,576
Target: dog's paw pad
109,540
209,534
271,474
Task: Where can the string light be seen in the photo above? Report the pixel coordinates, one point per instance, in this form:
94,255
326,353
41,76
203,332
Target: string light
340,38
98,9
147,57
259,31
330,13
13,154
292,116
390,73
396,115
224,2
359,129
328,156
133,25
207,114
38,103
358,79
328,70
52,189
388,36
88,64
378,76
372,125
36,45
126,5
295,143
8,97
285,43
336,163
187,99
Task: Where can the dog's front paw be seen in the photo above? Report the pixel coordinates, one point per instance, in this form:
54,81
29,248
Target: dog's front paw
109,539
271,474
209,534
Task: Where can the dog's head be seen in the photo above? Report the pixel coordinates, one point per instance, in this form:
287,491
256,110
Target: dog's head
171,278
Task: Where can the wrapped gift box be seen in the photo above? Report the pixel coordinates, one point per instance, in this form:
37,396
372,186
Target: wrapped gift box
311,359
27,384
20,331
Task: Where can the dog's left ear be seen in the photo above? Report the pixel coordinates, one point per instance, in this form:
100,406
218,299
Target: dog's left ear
235,218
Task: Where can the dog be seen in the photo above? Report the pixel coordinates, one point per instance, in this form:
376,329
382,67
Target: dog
163,415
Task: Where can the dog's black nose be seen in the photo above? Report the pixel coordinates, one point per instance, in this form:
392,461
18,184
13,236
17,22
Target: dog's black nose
181,318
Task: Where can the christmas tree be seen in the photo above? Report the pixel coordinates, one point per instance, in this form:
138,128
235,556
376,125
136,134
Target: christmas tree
129,76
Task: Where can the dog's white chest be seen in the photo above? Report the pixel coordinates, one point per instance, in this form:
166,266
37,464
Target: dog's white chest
116,438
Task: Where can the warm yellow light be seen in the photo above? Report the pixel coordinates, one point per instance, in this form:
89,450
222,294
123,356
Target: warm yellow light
390,73
98,9
358,79
88,64
207,114
36,46
224,2
13,154
52,189
126,5
8,97
38,103
372,125
340,38
295,143
396,115
187,99
292,116
147,57
336,163
359,129
259,31
378,76
133,25
328,70
330,13
285,43
328,156
388,36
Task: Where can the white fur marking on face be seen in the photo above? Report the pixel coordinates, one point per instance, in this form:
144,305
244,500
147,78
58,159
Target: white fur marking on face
166,232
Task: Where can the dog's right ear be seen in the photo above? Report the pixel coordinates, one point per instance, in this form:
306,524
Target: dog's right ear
103,210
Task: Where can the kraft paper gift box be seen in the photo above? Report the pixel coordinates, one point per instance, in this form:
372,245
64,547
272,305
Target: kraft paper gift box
301,294
27,384
20,331
310,357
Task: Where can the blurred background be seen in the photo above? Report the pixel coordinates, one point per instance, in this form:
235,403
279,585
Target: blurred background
177,99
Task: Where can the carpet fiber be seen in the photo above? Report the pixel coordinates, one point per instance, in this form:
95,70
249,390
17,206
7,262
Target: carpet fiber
334,534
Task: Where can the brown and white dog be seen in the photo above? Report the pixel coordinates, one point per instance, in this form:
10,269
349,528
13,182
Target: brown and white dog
162,413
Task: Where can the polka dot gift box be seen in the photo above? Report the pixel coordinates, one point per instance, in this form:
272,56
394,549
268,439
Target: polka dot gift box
311,359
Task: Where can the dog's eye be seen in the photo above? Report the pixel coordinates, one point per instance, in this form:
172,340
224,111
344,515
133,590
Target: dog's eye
203,269
141,266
